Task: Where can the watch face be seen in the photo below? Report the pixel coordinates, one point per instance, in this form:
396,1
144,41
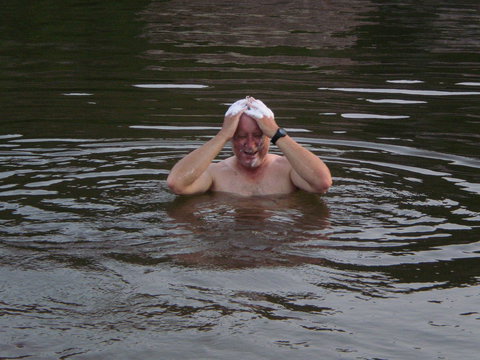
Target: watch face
282,132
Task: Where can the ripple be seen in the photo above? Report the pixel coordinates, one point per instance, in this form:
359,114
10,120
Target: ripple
125,172
170,86
10,136
395,101
401,150
373,116
404,91
465,185
469,83
77,94
405,81
50,140
21,192
45,183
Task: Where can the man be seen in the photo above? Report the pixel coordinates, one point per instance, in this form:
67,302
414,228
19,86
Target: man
251,170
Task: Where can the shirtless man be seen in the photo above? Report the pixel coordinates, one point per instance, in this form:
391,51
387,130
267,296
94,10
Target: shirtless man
251,171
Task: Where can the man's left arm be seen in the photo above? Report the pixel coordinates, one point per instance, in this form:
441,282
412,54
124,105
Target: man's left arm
308,172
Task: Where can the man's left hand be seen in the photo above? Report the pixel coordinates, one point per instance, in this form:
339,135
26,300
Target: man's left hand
263,115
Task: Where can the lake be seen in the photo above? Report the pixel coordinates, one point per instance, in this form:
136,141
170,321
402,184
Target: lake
100,260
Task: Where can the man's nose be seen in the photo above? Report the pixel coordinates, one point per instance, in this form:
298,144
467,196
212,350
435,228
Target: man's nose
251,142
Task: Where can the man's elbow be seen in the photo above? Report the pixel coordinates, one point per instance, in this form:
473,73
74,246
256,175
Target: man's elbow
178,188
174,186
322,186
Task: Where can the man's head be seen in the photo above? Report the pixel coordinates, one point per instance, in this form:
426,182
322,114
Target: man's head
250,145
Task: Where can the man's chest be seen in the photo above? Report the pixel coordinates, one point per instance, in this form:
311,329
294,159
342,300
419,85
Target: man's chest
266,184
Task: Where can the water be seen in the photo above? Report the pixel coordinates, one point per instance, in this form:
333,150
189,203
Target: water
100,260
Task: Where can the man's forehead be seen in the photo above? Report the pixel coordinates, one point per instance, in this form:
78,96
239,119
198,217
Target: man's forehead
247,123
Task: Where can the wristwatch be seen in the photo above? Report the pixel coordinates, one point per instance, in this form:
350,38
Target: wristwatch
279,134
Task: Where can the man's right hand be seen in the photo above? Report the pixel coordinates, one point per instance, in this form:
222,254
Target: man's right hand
232,117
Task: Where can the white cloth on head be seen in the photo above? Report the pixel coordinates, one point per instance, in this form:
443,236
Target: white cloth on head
258,110
255,108
236,107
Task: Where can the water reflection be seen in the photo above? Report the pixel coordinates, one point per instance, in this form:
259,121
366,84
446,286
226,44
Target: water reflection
245,26
235,232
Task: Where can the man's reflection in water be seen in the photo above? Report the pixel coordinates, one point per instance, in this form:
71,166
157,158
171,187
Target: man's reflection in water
244,232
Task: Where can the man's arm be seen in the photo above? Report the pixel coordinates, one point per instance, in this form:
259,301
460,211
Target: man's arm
309,172
190,175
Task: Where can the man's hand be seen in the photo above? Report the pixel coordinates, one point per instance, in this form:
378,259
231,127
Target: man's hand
232,117
263,115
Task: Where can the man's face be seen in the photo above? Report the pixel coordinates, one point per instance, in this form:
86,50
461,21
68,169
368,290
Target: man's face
249,144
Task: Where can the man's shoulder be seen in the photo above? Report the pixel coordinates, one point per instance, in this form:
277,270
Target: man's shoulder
222,165
279,161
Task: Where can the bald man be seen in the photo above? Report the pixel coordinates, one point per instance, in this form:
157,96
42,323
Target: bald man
252,170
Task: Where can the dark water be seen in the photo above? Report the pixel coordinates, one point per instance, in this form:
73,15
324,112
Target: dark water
100,261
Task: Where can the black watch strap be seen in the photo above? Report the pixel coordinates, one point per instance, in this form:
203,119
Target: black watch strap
279,134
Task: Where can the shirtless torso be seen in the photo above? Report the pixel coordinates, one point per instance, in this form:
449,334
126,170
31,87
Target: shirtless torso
272,178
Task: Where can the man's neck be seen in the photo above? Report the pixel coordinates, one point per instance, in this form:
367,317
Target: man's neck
252,172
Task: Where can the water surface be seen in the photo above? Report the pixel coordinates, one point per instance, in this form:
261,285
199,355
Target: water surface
100,260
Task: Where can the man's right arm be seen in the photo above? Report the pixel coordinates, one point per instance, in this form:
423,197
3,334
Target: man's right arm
190,175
